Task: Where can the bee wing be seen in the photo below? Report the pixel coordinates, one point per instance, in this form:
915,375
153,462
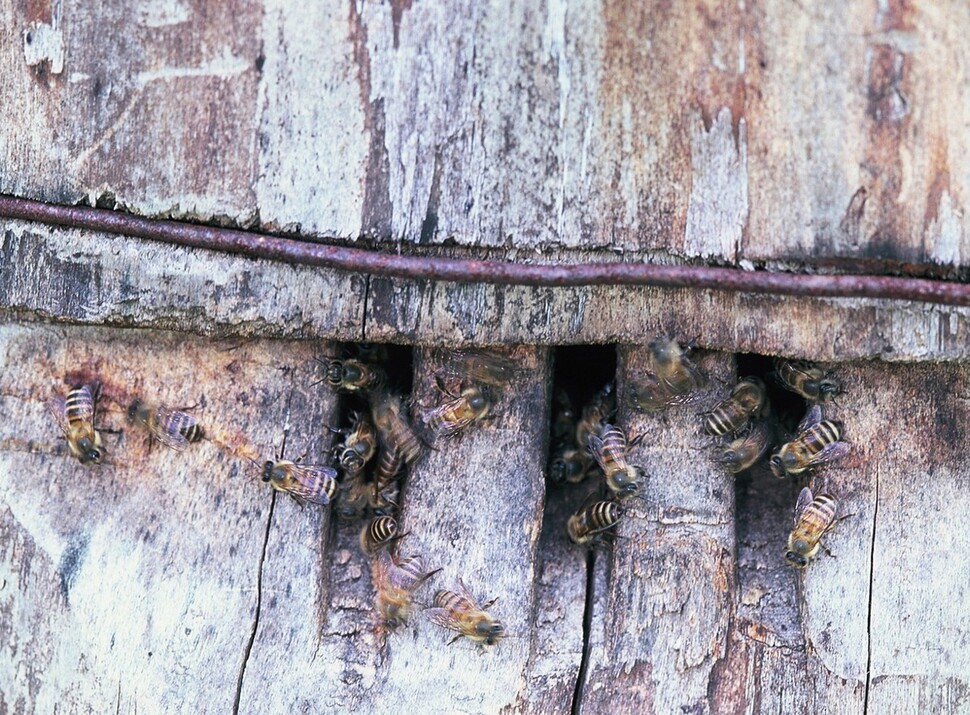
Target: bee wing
805,497
312,483
830,453
595,446
443,617
463,589
58,408
168,426
813,416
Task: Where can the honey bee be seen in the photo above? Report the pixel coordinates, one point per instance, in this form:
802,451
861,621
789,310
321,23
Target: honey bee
817,443
359,447
747,399
458,413
304,482
814,516
75,417
384,499
748,448
476,366
380,532
569,465
812,383
609,449
600,408
352,375
354,497
459,611
588,524
392,426
396,581
173,428
671,380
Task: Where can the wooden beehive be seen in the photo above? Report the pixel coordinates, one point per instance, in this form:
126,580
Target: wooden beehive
783,136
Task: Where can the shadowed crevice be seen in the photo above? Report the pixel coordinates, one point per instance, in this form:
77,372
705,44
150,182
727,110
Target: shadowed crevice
577,705
872,570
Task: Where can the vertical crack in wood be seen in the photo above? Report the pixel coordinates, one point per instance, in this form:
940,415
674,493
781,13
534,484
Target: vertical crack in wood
363,317
587,627
259,603
872,571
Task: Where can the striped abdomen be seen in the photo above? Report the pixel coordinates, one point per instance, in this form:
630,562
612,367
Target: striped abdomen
379,532
817,437
185,425
388,467
79,406
593,519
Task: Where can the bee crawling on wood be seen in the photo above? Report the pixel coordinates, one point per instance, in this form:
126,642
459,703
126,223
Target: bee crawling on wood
671,378
396,579
304,482
459,611
359,445
818,442
173,428
393,429
479,367
599,410
812,383
748,399
589,525
814,517
75,416
609,449
380,532
351,375
747,449
457,413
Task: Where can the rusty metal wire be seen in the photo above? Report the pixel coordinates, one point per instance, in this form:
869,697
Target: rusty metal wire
258,245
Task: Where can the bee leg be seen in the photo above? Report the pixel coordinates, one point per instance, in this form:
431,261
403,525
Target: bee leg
454,639
491,603
298,500
636,440
826,550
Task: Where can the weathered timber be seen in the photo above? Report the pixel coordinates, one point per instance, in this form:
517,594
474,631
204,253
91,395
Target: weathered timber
719,130
143,284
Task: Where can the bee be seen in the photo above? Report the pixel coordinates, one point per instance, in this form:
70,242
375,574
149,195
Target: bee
352,375
393,428
75,417
304,482
459,611
817,443
476,366
458,413
600,408
812,383
747,399
569,465
383,500
588,524
359,447
354,497
748,448
396,581
173,428
671,380
813,517
609,449
380,532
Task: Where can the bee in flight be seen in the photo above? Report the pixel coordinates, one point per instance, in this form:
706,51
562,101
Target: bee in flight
458,413
359,446
173,428
395,582
747,399
814,516
459,611
812,383
609,449
592,521
393,429
380,532
352,375
480,367
304,482
748,448
671,378
75,417
818,442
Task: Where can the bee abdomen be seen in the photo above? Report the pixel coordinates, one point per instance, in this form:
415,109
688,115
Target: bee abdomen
379,532
822,511
450,601
186,426
79,405
722,420
822,434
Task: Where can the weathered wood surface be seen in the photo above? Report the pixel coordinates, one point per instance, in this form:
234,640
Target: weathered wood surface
137,283
736,132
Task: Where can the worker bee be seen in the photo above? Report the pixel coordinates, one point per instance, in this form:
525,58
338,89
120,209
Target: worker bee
747,399
569,465
476,366
380,532
459,611
600,408
748,448
303,482
359,446
173,428
75,417
352,375
588,524
817,443
396,581
814,516
458,413
609,449
812,383
392,426
383,500
354,497
671,379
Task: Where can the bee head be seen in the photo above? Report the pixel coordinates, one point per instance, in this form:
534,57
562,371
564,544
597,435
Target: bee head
731,460
777,466
490,631
351,460
90,452
268,471
133,409
478,400
828,388
558,469
335,371
796,560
